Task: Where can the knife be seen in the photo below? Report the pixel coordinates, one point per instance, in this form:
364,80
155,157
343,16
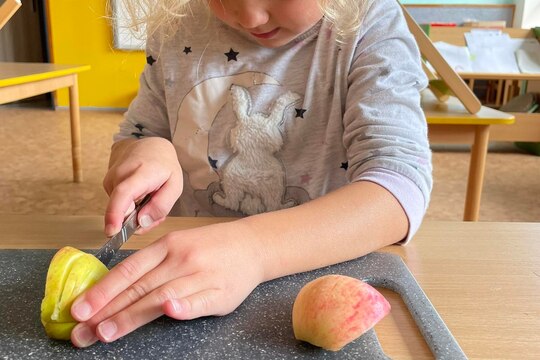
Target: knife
129,226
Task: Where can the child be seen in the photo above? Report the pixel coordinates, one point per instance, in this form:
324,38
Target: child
304,114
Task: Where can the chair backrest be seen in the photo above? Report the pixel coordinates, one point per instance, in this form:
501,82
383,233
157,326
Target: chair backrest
444,71
7,9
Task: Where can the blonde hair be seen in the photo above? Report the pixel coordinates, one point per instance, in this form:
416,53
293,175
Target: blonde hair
345,15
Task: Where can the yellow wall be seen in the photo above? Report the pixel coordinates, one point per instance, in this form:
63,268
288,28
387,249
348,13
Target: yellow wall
80,34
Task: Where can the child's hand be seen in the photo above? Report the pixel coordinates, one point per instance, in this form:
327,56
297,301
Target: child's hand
148,165
185,275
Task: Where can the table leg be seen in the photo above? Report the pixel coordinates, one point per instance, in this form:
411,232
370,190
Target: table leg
476,173
74,113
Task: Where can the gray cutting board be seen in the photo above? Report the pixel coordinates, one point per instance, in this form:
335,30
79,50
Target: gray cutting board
260,328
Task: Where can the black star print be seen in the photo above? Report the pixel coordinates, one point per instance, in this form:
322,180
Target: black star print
140,127
345,165
137,135
300,112
150,60
231,55
213,163
187,49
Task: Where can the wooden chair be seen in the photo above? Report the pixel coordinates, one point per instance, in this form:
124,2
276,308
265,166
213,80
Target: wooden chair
456,115
443,70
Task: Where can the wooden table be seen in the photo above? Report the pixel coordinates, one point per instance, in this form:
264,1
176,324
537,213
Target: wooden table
450,122
23,80
507,83
456,36
483,278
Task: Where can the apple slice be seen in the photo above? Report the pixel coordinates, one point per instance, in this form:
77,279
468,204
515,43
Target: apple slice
70,273
333,310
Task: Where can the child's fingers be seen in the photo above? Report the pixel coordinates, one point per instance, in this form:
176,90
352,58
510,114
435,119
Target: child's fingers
126,321
204,303
122,197
118,280
144,230
149,307
161,203
146,285
185,298
82,335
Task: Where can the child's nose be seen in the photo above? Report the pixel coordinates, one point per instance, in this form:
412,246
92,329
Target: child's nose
250,16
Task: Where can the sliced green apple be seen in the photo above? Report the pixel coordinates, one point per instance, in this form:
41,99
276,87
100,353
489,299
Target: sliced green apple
70,273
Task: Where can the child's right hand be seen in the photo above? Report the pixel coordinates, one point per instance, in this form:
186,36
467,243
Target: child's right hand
137,168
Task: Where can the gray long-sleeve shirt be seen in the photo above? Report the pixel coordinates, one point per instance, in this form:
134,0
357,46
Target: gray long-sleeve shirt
259,129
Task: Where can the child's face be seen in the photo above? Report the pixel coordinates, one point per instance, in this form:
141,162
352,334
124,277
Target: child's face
271,23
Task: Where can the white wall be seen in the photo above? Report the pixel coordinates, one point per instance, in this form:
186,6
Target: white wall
527,14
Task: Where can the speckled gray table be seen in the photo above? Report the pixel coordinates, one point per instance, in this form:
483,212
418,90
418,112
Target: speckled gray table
259,329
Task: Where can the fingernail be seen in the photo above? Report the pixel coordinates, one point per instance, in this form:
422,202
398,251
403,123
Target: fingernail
146,221
84,336
176,305
82,310
107,329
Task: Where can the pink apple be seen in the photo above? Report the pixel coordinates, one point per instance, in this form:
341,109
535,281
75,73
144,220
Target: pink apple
334,310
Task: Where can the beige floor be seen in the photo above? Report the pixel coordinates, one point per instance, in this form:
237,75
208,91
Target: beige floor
35,176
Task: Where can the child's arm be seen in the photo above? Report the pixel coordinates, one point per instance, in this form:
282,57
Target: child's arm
212,269
350,222
143,159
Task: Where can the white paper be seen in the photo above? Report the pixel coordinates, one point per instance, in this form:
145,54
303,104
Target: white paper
494,61
528,61
479,40
492,51
458,57
528,44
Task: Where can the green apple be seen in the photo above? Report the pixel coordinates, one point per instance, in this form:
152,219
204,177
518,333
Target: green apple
70,273
333,310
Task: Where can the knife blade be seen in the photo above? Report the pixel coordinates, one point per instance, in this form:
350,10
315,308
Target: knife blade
129,226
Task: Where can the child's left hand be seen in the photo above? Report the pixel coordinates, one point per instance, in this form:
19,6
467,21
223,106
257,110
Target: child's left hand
185,275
